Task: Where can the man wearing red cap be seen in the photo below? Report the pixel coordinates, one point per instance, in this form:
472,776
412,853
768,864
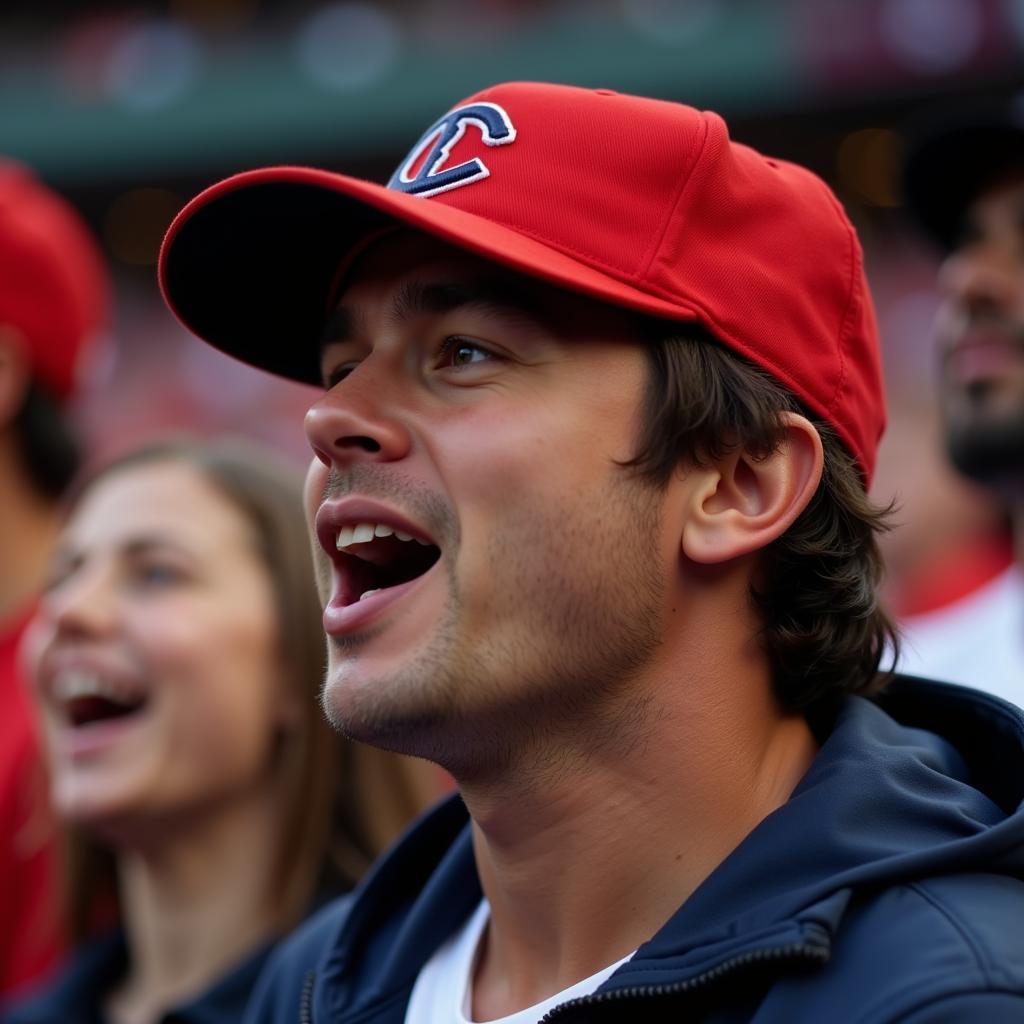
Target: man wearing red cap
53,305
601,397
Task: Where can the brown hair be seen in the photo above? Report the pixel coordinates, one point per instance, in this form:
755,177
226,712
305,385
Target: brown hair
343,802
816,588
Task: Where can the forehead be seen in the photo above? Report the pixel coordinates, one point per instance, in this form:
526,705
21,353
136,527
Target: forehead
384,272
166,499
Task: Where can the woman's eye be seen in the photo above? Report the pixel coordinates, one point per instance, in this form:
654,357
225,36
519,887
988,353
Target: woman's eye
157,575
456,352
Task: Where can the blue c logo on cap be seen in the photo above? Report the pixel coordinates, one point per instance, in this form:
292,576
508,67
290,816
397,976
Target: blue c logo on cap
496,129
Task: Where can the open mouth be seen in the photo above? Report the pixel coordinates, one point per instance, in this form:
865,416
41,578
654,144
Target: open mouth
982,359
87,698
371,557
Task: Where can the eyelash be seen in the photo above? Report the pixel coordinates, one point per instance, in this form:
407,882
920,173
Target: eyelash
446,348
456,341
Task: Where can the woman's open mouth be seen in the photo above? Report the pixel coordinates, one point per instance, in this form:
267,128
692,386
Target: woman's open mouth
87,698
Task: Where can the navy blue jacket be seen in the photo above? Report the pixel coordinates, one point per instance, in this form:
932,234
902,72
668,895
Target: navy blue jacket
888,888
76,995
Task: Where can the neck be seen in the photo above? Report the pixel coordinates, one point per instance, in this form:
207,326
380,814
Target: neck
194,907
642,824
29,525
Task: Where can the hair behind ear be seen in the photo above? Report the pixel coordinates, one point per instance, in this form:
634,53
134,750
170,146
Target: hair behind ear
47,448
817,588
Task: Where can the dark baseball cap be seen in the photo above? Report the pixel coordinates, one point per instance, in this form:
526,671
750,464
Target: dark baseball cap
951,161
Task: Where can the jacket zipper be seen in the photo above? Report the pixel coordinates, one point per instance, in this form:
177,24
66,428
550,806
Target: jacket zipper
811,952
306,1001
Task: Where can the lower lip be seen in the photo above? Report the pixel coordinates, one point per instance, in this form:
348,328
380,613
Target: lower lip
346,619
85,740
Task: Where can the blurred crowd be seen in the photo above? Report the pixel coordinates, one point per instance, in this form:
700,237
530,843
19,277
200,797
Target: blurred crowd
156,586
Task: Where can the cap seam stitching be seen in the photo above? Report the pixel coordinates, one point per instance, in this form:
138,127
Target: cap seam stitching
676,200
844,323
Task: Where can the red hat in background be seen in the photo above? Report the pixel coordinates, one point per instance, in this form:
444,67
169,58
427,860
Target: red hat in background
637,202
54,290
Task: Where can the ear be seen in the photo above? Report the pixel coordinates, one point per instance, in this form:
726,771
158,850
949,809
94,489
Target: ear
15,374
742,503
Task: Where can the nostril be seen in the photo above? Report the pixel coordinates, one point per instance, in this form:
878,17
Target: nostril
367,444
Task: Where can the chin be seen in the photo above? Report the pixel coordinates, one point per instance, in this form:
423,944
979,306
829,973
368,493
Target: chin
111,813
381,712
988,450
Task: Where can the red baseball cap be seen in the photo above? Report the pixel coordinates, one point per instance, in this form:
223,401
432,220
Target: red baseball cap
54,290
637,202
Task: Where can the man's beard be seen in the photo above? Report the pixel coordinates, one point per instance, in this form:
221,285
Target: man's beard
990,451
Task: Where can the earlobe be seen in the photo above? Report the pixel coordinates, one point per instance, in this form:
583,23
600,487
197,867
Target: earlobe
742,503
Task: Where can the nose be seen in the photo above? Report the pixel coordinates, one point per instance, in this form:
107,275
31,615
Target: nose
982,278
359,420
82,606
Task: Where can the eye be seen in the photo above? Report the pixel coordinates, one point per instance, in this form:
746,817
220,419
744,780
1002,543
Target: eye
157,575
457,352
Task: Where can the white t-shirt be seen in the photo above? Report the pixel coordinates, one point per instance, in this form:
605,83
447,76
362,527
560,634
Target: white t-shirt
977,641
444,987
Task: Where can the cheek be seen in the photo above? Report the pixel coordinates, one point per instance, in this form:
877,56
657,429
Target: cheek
219,680
494,459
39,635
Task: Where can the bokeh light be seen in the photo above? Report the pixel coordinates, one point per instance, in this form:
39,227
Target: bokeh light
136,222
932,35
868,162
153,64
348,46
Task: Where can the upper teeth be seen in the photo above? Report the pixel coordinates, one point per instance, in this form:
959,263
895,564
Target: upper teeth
363,532
76,683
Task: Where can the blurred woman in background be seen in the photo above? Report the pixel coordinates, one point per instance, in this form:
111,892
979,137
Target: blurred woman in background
177,664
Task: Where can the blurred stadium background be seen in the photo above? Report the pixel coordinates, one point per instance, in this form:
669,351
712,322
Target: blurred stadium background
132,108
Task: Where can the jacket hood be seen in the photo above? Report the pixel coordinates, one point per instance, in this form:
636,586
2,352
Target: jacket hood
926,780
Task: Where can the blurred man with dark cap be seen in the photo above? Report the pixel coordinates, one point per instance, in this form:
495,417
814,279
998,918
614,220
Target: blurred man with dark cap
53,307
965,186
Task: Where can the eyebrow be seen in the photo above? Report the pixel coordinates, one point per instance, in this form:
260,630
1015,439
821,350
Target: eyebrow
416,298
146,543
133,548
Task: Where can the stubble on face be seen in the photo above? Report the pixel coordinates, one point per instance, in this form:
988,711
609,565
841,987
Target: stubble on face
981,329
531,662
984,419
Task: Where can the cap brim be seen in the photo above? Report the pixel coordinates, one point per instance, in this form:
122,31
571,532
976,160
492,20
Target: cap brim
248,265
948,168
